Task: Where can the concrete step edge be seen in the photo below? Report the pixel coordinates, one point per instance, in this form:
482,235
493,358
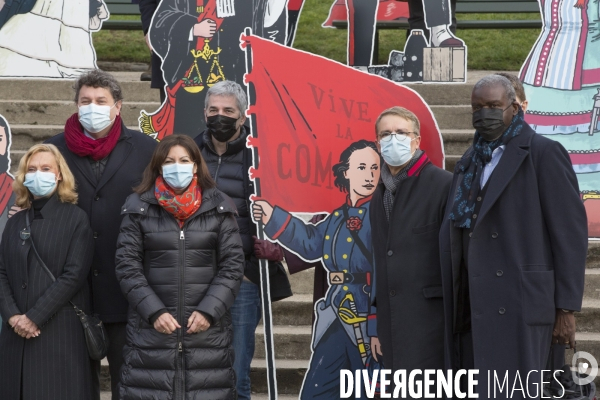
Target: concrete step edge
297,330
281,364
106,395
308,298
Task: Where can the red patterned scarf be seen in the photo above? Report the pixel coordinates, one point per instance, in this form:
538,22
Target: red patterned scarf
181,206
83,146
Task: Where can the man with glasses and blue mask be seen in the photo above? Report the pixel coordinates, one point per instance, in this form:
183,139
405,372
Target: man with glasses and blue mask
513,244
406,214
107,160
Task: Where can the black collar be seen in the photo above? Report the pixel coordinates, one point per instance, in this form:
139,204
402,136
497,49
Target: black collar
233,147
49,208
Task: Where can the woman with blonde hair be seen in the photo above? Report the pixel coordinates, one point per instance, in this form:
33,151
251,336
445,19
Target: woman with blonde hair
44,355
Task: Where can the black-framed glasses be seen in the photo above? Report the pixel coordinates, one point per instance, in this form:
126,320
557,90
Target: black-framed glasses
400,136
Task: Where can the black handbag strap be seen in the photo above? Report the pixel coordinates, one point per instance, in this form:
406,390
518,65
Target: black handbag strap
37,255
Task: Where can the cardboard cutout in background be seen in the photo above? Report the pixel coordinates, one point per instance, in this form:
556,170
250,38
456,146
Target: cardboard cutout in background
388,10
561,77
313,137
294,11
440,59
194,58
7,197
49,39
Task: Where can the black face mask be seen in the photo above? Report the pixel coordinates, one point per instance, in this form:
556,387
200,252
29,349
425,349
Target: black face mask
221,127
489,122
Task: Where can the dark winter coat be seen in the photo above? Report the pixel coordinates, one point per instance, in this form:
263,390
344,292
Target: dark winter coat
230,172
526,259
102,202
56,364
410,314
196,268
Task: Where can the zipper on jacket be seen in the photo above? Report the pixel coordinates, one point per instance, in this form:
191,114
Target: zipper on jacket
217,171
181,315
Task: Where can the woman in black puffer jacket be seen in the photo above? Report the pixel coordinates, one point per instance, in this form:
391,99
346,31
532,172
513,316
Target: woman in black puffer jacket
180,264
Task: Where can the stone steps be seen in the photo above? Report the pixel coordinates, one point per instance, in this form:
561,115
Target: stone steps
56,112
298,311
134,90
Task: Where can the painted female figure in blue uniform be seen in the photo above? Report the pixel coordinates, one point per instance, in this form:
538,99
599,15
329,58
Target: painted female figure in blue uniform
345,328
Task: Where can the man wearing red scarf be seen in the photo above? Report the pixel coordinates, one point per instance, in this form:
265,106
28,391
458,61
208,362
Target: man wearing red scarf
107,160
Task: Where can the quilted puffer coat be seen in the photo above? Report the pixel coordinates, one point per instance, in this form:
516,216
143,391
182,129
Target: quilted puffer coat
197,268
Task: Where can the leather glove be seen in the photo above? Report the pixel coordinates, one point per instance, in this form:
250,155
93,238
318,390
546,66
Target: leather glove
564,328
266,250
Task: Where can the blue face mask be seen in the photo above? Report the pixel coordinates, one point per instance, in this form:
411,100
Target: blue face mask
94,118
178,176
396,152
40,183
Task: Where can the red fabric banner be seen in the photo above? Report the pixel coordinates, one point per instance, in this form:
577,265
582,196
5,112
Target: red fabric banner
307,110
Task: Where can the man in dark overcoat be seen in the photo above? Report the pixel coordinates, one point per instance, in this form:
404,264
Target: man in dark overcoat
513,246
406,215
106,163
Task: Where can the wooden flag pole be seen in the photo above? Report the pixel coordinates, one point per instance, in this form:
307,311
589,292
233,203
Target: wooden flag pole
267,314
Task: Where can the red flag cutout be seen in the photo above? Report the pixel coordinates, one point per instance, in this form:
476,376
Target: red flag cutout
307,110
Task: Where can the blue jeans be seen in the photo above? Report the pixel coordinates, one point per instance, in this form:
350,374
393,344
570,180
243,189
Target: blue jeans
245,316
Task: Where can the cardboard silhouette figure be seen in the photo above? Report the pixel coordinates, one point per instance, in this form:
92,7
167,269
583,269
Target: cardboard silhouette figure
561,78
198,42
294,10
388,10
49,39
346,322
7,197
433,56
312,140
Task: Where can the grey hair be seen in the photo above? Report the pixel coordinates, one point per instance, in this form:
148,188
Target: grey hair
98,79
228,88
497,80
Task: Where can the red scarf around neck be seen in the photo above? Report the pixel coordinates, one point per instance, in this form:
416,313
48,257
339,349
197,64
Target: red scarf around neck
181,206
84,146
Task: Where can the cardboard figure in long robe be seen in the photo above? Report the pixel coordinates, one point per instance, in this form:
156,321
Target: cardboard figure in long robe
561,78
198,42
314,153
49,39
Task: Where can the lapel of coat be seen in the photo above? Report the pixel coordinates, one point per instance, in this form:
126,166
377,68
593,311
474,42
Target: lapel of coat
515,152
456,239
83,164
377,201
116,158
